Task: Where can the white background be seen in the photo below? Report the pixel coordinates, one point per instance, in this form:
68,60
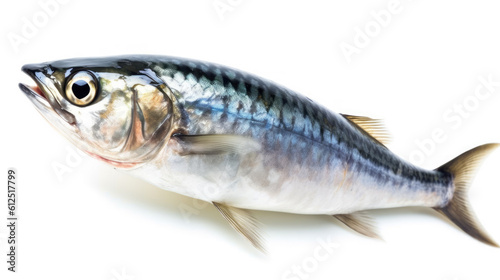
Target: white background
97,223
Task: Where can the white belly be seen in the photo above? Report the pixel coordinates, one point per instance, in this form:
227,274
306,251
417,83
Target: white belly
249,182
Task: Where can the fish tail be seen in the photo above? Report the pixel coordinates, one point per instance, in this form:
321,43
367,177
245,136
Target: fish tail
462,169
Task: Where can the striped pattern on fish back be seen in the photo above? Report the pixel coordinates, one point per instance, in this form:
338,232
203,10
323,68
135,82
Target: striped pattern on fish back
235,94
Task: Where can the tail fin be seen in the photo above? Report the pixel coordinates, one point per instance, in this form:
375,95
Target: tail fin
458,210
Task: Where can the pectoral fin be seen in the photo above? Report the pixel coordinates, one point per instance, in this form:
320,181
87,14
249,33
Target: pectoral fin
359,222
211,144
243,222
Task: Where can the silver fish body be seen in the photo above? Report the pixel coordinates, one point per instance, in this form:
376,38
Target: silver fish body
240,142
312,161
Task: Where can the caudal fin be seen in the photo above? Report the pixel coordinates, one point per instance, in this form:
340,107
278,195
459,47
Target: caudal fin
458,210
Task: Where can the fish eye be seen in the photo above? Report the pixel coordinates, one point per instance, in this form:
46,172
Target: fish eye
81,88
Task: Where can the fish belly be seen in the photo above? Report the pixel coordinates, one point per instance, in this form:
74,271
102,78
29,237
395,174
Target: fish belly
290,174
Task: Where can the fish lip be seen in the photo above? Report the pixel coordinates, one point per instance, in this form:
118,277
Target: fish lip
35,96
41,94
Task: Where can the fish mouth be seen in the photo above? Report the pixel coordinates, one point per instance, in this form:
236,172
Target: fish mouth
34,93
41,96
34,88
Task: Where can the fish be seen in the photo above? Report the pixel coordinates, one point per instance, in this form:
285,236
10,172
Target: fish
242,143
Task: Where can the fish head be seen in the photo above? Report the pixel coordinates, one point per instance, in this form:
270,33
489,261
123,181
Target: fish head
117,110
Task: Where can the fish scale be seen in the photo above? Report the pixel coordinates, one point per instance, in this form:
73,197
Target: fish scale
270,99
377,162
272,106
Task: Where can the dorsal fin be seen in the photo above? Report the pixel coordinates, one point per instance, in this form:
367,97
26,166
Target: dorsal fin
370,127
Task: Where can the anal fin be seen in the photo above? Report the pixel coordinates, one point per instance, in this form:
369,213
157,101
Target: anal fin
359,222
243,222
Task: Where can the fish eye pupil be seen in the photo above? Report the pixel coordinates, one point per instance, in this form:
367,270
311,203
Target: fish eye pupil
80,89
